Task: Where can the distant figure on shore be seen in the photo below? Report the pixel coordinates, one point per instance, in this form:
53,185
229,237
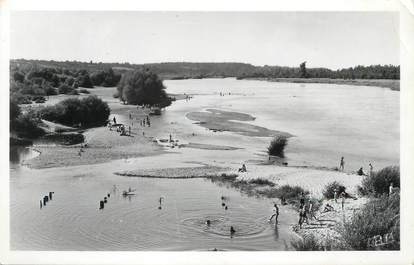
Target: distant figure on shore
283,200
225,207
129,130
302,199
50,195
170,138
208,222
301,214
310,210
114,119
360,172
335,195
371,169
342,164
130,116
40,204
275,213
243,168
342,200
391,188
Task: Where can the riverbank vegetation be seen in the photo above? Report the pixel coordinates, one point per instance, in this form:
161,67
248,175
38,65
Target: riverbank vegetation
373,225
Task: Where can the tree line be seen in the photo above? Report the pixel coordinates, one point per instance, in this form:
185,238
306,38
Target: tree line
357,72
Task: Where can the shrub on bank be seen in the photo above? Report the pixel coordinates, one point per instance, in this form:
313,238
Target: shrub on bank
277,146
308,243
378,183
286,191
329,190
380,217
262,181
86,112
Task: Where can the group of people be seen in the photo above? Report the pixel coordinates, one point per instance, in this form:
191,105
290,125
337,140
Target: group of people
360,171
222,94
121,128
46,199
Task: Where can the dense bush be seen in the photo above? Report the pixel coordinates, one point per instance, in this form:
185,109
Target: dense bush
14,111
27,125
65,89
84,91
277,146
378,217
87,112
329,189
83,80
142,87
379,182
262,181
105,78
286,191
308,243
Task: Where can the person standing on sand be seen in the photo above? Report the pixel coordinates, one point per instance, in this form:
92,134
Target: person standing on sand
371,169
301,213
391,188
335,195
342,200
342,164
311,212
302,199
114,119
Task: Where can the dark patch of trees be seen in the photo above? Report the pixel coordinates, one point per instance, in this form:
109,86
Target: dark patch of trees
24,124
143,87
106,78
86,112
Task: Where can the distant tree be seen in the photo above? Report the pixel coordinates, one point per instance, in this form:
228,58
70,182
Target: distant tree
84,80
65,89
302,67
142,87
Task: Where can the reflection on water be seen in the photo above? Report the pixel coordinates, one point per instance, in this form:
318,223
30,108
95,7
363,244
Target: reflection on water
18,154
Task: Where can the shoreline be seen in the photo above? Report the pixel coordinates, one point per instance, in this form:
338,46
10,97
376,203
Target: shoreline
385,83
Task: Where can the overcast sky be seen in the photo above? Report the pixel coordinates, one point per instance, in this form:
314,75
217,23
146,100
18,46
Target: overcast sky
330,39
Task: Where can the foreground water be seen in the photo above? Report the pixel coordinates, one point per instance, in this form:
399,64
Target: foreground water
72,220
327,121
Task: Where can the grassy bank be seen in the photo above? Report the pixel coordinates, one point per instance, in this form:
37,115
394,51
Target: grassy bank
387,83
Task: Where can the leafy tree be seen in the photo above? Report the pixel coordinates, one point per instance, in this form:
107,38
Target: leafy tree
303,72
143,87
